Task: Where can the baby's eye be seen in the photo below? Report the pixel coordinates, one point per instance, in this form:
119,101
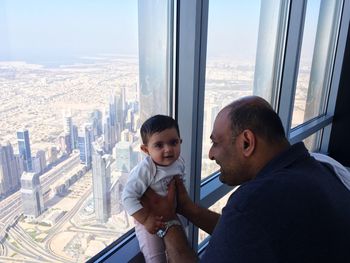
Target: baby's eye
158,145
174,142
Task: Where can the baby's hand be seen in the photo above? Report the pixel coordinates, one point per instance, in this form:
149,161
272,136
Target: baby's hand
153,223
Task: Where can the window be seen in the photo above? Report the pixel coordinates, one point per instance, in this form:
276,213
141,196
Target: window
319,40
77,80
244,54
72,57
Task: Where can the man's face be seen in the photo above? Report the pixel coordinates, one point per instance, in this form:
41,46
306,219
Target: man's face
225,150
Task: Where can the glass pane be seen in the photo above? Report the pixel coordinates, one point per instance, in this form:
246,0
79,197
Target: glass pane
316,59
77,79
245,62
217,207
312,143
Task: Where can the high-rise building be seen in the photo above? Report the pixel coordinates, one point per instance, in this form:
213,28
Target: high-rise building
39,162
108,134
125,157
9,170
52,153
64,141
101,180
117,115
113,109
96,120
68,131
24,149
85,138
32,197
154,57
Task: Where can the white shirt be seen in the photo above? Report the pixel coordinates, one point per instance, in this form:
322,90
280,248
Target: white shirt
148,174
342,173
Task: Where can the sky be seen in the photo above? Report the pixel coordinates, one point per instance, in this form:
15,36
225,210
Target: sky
45,29
40,28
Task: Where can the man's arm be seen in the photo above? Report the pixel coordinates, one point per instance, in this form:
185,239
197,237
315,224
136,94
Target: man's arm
199,216
178,249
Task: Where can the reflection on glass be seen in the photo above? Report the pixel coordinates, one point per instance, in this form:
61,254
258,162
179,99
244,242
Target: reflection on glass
312,143
217,207
316,59
243,54
71,79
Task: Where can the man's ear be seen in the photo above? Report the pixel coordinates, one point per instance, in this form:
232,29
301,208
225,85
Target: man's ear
144,148
248,142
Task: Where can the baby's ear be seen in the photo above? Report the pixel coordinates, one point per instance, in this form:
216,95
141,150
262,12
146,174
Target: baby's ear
144,148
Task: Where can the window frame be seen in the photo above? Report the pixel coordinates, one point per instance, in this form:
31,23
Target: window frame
191,41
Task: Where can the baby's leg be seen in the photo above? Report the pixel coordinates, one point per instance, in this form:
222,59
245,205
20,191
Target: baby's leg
152,246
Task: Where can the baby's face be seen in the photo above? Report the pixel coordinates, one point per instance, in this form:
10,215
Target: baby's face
163,147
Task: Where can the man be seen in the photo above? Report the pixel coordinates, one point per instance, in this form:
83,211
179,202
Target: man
288,208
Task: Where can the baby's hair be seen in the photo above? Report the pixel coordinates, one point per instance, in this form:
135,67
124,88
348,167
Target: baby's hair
157,123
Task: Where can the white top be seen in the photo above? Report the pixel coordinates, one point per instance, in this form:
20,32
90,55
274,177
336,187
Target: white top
342,173
148,174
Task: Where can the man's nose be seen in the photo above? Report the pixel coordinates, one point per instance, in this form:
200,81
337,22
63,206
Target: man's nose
211,154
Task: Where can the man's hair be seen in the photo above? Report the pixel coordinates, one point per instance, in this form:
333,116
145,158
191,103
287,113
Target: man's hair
157,123
258,116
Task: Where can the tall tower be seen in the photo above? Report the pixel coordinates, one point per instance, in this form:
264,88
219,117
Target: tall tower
24,149
85,138
125,158
107,132
101,180
154,57
96,120
68,130
32,197
39,162
9,171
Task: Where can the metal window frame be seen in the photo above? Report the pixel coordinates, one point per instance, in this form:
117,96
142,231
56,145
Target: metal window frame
189,103
192,39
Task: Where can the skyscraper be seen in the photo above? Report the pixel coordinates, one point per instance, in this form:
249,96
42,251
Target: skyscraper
96,120
108,135
24,149
39,162
101,180
85,138
125,157
68,130
32,197
9,170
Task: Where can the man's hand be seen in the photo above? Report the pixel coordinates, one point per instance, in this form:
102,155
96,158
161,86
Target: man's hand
157,205
184,202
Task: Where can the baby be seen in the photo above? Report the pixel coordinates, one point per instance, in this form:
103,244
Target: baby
161,142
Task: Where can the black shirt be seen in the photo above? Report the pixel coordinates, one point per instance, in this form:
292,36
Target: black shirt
295,210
